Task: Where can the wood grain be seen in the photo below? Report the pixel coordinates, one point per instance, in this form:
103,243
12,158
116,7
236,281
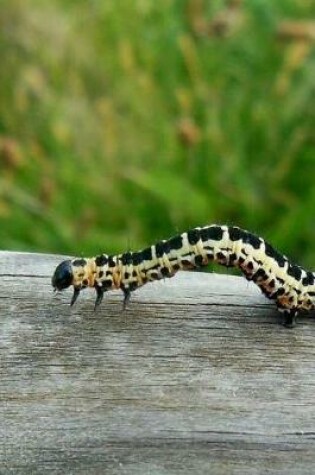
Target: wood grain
197,376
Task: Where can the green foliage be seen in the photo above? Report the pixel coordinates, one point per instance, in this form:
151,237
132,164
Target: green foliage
123,122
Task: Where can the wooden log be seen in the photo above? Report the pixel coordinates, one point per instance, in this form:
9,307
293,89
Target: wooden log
197,376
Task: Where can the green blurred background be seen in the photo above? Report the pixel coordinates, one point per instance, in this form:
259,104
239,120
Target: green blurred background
126,121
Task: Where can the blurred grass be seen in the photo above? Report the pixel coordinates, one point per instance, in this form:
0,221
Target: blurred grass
125,122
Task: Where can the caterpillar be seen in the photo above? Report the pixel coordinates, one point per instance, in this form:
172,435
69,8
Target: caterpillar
289,285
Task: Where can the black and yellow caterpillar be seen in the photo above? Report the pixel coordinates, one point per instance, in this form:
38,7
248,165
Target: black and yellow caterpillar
292,287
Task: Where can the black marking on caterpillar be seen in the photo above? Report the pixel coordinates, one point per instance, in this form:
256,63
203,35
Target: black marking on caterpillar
292,287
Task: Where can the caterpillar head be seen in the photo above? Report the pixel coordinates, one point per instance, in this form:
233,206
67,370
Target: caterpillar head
63,276
76,273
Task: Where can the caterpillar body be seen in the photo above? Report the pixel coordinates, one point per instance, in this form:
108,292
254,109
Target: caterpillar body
289,285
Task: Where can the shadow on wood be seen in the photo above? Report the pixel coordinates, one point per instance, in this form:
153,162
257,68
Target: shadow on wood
197,376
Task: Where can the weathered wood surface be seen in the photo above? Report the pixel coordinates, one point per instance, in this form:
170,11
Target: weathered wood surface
197,376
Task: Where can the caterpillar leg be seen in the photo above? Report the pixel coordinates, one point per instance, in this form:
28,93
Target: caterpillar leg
289,318
127,296
99,296
75,295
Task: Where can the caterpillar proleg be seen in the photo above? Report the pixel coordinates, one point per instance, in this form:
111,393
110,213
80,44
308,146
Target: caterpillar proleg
290,286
